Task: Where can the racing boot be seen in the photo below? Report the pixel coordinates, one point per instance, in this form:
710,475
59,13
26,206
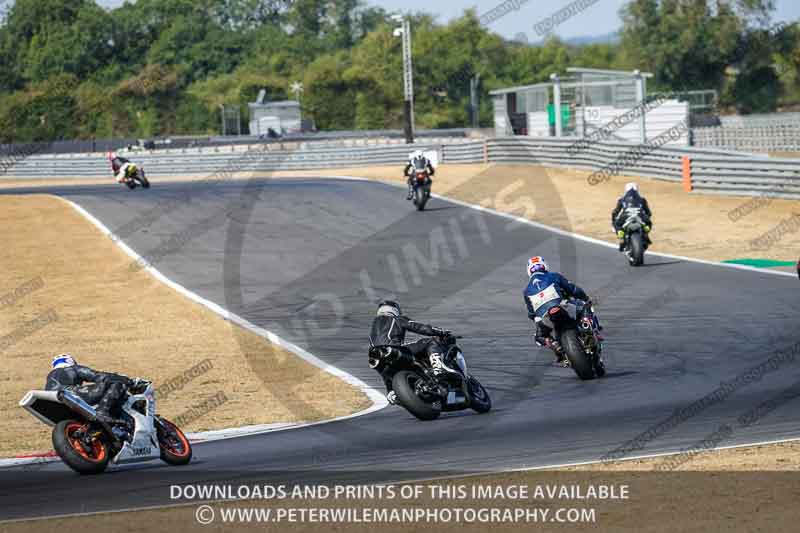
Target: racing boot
439,366
410,194
621,237
561,356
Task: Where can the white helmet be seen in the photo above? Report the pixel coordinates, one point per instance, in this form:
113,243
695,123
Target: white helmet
416,154
62,361
632,186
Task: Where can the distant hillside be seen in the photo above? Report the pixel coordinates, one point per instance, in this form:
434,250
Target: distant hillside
608,38
583,40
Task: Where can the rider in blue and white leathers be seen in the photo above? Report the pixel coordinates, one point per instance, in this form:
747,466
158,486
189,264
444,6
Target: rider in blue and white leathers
544,291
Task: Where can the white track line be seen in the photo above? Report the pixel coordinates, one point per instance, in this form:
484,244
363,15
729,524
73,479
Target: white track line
376,397
566,233
379,401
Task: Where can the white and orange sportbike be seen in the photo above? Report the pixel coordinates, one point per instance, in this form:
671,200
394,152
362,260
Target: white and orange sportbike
87,444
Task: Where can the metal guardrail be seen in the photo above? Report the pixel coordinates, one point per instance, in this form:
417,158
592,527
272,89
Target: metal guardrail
702,170
258,158
768,138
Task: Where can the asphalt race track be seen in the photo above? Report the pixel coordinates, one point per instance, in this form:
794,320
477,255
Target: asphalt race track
309,258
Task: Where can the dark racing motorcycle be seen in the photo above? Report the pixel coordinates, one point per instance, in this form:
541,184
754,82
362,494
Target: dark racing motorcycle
421,183
425,393
573,323
636,239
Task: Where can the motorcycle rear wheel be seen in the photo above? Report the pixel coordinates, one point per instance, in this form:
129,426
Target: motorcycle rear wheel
404,385
577,356
72,453
420,198
637,249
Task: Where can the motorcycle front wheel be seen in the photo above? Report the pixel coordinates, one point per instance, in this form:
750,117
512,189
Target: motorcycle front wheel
404,384
176,449
143,180
479,399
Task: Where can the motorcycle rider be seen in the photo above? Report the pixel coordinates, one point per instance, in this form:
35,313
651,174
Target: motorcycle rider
631,199
389,331
544,291
121,167
107,390
416,160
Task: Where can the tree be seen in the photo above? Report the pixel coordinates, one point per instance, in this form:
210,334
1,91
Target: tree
43,38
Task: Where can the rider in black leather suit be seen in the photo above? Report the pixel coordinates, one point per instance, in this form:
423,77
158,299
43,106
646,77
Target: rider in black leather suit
389,331
106,390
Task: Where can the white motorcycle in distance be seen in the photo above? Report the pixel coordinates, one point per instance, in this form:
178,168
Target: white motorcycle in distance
87,445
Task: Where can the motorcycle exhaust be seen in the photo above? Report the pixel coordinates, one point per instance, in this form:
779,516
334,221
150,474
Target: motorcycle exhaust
77,404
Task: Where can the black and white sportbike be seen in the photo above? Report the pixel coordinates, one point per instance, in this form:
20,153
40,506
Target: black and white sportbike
87,444
425,391
573,324
421,184
636,239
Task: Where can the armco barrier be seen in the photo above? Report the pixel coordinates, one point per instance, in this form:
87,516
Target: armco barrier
256,158
700,170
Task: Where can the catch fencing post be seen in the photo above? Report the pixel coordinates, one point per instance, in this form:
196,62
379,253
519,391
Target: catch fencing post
687,174
485,152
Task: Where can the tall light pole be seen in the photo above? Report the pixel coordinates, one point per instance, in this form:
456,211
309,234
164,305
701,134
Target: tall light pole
404,31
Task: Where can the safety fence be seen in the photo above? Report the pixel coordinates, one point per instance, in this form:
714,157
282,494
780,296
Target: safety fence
767,138
707,171
701,170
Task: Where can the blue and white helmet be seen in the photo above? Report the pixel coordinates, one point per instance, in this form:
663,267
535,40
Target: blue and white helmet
536,264
62,361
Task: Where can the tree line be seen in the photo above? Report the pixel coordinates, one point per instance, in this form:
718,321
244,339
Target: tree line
73,69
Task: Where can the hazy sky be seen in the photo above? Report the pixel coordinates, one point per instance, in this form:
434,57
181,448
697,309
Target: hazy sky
600,18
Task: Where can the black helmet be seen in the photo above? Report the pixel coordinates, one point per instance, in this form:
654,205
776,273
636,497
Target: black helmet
389,308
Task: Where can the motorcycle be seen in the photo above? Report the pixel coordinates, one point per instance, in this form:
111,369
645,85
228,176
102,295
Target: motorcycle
421,183
87,445
426,394
136,177
636,241
573,323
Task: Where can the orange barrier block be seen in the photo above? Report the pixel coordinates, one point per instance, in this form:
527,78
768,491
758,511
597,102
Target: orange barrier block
687,174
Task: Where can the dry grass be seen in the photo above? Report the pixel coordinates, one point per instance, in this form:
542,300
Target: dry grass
112,319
